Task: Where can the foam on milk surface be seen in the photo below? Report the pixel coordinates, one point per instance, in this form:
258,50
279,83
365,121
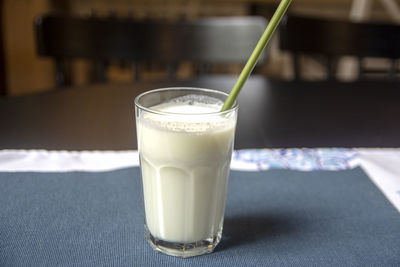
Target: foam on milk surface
191,104
179,111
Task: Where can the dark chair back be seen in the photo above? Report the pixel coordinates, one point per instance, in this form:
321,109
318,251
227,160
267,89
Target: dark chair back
207,40
333,39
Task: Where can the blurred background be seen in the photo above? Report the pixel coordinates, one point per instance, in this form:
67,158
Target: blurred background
22,71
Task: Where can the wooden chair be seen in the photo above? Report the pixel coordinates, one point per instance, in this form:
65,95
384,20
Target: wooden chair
333,39
204,41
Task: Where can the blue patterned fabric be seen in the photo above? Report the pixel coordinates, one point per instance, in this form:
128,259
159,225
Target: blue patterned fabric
273,218
303,159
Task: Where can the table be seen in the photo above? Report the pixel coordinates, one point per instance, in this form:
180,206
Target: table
275,217
274,114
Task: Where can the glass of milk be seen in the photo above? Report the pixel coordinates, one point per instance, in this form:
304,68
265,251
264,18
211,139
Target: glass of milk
185,145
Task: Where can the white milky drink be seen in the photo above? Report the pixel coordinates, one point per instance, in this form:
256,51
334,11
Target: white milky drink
185,149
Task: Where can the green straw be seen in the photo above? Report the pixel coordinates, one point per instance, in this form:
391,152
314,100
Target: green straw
252,61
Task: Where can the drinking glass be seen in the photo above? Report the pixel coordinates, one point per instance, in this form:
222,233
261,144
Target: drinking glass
185,145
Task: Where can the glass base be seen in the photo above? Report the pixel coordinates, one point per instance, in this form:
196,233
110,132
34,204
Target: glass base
183,250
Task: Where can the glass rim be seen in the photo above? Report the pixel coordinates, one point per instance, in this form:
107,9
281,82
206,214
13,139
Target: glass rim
147,109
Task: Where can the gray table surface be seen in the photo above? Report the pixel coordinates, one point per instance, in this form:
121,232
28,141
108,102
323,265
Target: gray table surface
271,114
